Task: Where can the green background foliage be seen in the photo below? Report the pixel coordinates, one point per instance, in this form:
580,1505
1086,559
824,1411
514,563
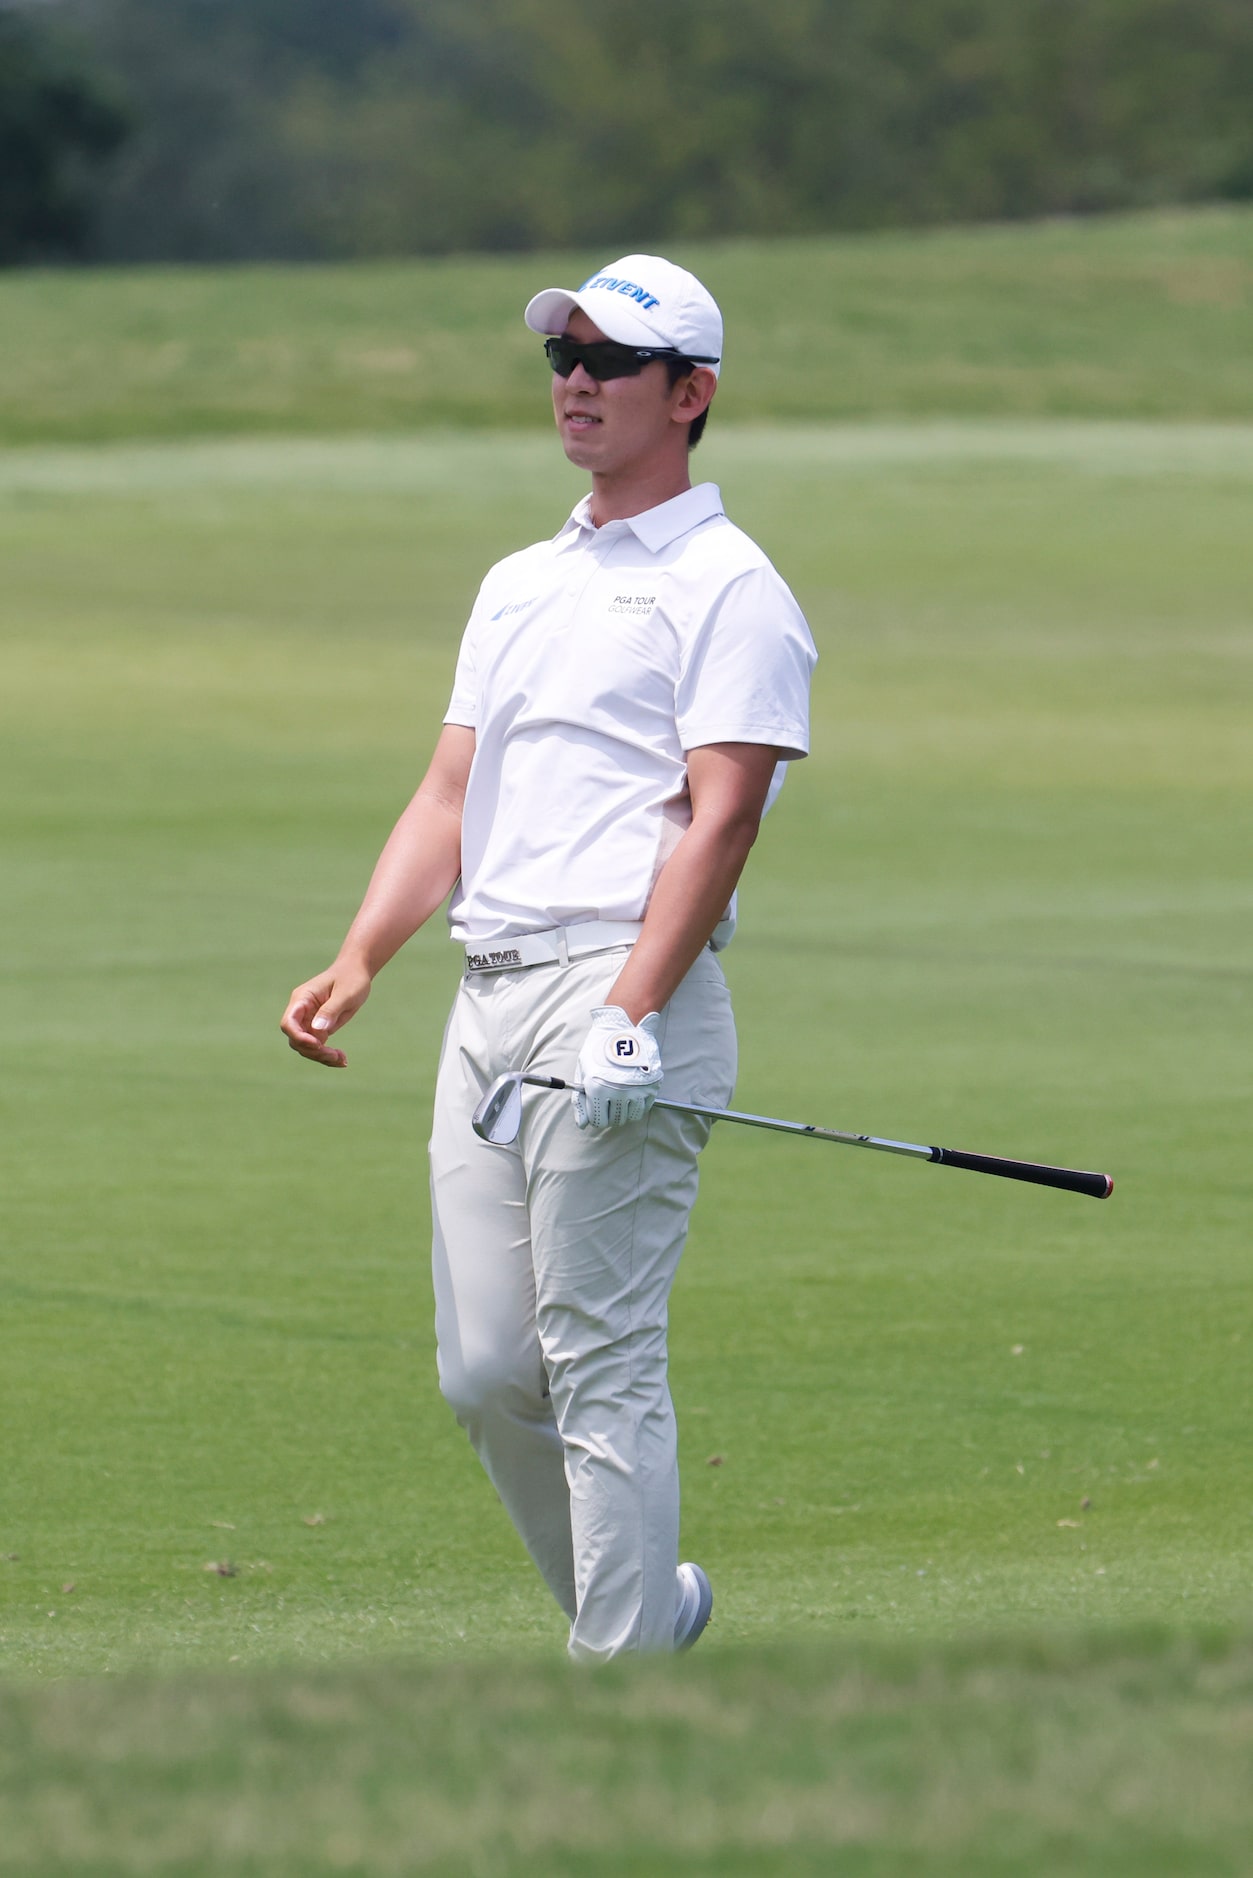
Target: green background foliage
267,129
58,125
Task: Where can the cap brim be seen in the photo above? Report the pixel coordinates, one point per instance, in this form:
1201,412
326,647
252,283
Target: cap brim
549,313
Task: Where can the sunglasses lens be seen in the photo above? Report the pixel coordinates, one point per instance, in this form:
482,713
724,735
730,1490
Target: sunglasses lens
600,361
613,361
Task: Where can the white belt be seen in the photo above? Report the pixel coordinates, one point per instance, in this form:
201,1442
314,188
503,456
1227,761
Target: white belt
556,947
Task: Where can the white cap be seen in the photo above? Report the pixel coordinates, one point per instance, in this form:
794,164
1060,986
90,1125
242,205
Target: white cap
639,301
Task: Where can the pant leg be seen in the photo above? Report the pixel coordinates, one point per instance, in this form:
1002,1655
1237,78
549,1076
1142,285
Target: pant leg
553,1262
609,1214
491,1368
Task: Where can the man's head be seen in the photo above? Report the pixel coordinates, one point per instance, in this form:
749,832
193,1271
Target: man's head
645,304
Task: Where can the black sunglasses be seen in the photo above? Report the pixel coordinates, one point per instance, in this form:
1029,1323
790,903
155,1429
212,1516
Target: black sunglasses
605,358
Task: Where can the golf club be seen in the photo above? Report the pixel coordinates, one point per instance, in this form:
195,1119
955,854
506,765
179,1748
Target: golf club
498,1118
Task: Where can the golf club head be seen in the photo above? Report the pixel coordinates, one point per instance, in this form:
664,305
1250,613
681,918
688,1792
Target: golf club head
498,1116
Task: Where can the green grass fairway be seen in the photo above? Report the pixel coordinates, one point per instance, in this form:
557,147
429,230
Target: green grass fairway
1123,316
1004,907
1128,1759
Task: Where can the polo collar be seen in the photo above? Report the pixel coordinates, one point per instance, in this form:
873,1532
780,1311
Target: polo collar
655,528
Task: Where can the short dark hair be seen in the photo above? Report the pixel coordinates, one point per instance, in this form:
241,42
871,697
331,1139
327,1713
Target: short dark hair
677,369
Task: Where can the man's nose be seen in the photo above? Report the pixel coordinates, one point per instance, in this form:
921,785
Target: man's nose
581,379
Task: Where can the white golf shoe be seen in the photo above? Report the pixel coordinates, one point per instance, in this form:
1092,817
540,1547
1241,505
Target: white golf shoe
696,1601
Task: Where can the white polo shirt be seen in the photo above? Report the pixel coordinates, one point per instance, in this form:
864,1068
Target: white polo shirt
590,665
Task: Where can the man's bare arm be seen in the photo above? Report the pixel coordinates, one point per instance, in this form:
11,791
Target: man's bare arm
415,873
728,783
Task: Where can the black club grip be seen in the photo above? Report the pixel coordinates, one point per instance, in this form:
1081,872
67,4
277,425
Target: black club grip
1072,1179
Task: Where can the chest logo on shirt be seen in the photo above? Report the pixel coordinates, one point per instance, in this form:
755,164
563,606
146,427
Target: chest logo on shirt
633,605
515,606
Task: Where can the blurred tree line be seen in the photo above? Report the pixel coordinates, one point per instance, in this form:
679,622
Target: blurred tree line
233,129
56,127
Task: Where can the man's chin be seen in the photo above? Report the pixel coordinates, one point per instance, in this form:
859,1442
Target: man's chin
581,447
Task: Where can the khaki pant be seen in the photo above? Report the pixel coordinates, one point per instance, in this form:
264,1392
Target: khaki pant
553,1261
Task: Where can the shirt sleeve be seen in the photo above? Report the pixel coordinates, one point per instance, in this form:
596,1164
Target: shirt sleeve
463,706
745,674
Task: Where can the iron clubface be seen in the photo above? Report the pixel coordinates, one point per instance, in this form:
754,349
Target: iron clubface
498,1116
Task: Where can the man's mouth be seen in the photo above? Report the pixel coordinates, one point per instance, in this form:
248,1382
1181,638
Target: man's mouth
581,420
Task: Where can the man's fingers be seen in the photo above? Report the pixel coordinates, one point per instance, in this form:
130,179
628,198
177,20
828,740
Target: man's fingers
318,1052
301,1008
599,1106
332,1017
302,1038
307,1024
318,1009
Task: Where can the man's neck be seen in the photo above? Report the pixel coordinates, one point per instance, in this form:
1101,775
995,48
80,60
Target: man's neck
617,499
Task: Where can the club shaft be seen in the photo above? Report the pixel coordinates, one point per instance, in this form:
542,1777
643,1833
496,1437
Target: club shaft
1069,1179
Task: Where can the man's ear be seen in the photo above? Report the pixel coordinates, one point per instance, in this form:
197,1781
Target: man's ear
697,391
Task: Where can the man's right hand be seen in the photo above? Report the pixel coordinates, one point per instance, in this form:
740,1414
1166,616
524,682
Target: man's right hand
316,1010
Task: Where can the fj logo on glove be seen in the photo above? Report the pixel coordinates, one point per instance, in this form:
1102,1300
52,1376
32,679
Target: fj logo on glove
623,1049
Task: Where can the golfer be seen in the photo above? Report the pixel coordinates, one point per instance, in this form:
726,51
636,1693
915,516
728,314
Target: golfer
626,700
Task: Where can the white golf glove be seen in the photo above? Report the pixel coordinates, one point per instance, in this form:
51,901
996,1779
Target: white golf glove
619,1068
